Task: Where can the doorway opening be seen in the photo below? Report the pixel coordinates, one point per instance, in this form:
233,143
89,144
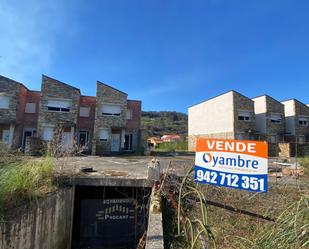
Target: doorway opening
128,138
28,132
116,139
83,140
109,217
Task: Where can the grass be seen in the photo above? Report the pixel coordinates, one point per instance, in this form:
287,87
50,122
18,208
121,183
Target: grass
291,229
172,147
288,204
24,179
234,230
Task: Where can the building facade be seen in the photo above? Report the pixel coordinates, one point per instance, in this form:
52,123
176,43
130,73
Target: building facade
228,116
297,121
234,116
117,121
101,124
269,119
18,112
58,112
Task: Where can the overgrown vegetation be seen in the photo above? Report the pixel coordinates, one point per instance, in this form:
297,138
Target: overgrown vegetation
161,123
191,230
287,203
291,229
23,178
172,146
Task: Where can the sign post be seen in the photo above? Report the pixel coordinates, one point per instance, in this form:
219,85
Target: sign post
232,163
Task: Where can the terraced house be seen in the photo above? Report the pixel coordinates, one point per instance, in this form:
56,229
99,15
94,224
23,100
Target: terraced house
269,119
229,116
18,112
297,121
234,116
117,121
101,124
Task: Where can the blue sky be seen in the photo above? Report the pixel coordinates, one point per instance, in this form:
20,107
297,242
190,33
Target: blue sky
169,54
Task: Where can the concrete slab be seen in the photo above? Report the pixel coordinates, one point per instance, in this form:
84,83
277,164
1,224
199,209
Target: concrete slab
117,171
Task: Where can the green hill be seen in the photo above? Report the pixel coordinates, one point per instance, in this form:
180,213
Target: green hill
164,122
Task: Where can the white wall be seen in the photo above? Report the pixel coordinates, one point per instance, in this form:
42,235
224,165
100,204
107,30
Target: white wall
289,112
260,113
212,116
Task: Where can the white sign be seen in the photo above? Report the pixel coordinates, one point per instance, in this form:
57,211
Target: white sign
232,163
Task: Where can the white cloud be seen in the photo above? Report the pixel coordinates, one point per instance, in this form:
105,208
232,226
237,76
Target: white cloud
27,39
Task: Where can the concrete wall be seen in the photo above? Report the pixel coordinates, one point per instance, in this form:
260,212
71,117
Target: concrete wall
46,225
289,112
260,113
212,116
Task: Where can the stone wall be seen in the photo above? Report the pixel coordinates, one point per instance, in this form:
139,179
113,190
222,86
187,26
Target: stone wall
193,138
52,88
9,88
273,106
108,95
22,98
42,225
242,103
301,110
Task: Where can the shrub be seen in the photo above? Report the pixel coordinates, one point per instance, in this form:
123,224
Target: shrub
25,179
